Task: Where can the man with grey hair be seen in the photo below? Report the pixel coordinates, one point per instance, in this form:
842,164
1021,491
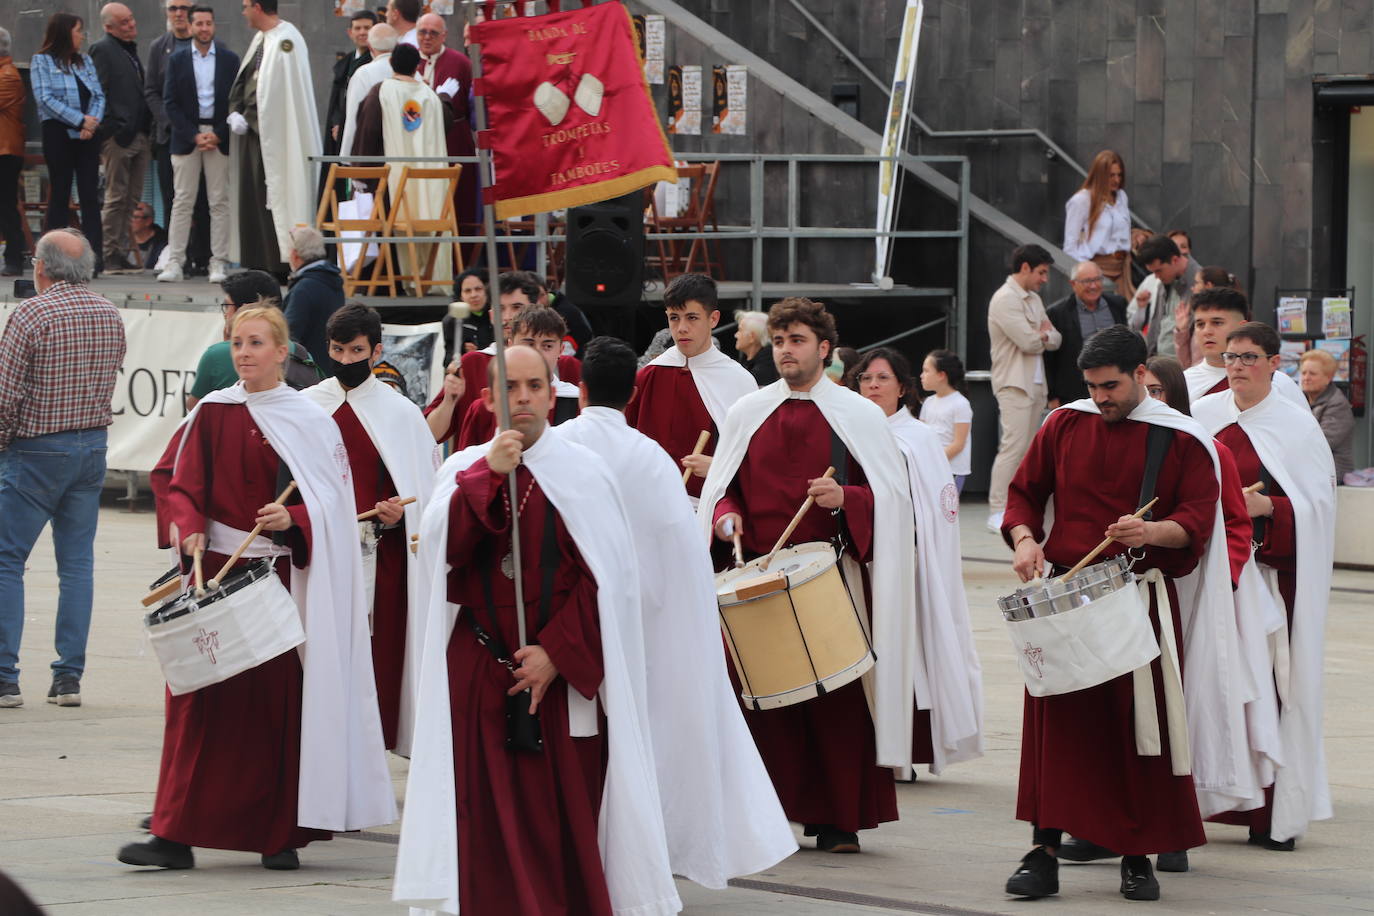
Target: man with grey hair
381,38
59,359
1078,316
125,131
11,158
315,291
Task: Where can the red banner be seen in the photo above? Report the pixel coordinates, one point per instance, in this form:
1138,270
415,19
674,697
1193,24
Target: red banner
570,119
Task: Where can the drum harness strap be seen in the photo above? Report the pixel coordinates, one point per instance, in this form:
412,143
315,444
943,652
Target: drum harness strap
1147,736
839,460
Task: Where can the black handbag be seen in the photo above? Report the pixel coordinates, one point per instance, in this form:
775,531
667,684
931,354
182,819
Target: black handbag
522,726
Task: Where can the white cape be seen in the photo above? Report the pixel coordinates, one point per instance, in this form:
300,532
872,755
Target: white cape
899,678
1215,677
397,428
951,661
1202,378
721,813
719,379
344,780
289,130
425,198
1282,436
359,85
634,853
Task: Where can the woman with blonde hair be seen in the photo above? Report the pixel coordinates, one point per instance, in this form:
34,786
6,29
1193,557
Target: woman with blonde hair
1097,222
281,754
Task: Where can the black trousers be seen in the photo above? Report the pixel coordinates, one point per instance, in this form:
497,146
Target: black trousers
67,157
11,227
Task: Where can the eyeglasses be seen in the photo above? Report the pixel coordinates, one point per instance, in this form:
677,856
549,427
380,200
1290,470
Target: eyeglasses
871,377
1245,359
1089,281
428,33
178,9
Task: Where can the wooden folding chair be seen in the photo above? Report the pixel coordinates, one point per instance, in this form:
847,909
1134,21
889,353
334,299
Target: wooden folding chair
402,223
373,228
700,212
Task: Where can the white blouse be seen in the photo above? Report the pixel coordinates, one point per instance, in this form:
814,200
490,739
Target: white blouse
1111,234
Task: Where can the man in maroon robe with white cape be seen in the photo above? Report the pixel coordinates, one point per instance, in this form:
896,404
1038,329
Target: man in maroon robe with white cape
391,455
1279,442
1091,763
829,757
577,826
689,387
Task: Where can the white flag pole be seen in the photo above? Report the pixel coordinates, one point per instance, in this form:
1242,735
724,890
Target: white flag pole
894,137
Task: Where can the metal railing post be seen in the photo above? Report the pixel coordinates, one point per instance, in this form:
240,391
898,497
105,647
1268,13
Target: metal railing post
961,290
756,227
793,199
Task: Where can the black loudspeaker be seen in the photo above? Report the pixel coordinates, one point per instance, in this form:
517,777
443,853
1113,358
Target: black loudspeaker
605,258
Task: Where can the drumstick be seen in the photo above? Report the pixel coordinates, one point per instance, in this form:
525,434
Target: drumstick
739,549
257,530
364,516
200,573
701,444
165,590
796,520
1103,546
1254,487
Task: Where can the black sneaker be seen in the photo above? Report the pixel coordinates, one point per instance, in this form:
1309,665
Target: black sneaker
286,860
830,839
65,690
1265,841
1172,861
158,853
10,697
1081,850
1038,875
1138,881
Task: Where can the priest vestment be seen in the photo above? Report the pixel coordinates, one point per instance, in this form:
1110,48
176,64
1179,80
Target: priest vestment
721,813
1272,440
1204,379
473,368
273,185
390,453
950,729
576,828
1080,768
678,398
826,756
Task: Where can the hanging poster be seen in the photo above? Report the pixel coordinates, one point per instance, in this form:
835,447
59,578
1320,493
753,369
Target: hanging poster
654,32
1340,349
1292,315
729,87
689,120
1336,316
1290,352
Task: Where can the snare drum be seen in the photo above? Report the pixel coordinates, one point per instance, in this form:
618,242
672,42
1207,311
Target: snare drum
1077,633
793,631
250,619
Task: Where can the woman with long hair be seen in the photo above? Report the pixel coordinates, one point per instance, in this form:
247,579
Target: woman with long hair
70,103
1097,222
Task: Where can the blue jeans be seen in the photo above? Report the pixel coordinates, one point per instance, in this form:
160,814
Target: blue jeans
53,478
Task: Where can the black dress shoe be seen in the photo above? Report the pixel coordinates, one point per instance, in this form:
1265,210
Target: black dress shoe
1081,850
1172,861
286,860
830,839
146,823
1264,841
1038,875
1138,881
158,853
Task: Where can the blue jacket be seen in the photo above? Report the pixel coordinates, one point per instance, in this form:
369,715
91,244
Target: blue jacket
55,92
182,104
316,293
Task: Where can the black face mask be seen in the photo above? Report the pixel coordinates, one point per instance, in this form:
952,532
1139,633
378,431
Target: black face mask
350,375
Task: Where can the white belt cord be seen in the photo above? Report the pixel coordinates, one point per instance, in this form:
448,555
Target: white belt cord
1147,736
221,538
1279,639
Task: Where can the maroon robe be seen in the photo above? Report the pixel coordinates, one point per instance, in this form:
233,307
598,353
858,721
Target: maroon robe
1278,549
371,485
527,823
473,368
1079,767
820,754
668,409
231,751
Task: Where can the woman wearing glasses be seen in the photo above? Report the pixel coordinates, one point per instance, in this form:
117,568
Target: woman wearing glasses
70,105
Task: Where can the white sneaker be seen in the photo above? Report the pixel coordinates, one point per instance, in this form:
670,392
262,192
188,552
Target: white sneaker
172,273
218,273
995,523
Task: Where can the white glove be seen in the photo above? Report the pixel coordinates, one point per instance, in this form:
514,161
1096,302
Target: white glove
448,87
238,123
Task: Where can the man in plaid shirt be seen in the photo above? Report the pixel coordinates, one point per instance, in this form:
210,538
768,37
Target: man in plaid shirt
59,358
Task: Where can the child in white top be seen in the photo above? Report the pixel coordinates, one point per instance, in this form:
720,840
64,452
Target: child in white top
948,412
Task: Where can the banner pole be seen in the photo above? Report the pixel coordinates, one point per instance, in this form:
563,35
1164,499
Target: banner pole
501,398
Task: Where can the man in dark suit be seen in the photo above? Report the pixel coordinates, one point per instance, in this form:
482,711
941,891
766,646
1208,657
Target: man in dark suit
195,95
126,146
337,114
1077,317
